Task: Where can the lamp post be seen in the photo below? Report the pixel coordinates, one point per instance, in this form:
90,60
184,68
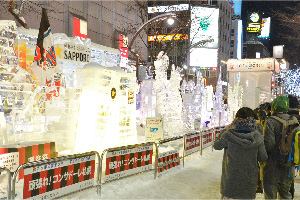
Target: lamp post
145,25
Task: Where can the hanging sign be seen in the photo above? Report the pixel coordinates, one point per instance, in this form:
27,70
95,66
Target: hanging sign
154,129
259,64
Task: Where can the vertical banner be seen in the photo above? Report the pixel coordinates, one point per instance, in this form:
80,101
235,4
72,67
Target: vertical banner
154,129
170,157
128,161
53,180
123,47
192,143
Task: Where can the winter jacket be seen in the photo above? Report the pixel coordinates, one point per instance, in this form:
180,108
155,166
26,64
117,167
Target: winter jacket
274,172
242,151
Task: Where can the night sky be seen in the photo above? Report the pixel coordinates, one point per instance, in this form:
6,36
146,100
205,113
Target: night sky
267,8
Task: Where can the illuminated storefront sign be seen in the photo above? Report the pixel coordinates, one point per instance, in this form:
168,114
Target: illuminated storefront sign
254,23
171,8
154,38
264,64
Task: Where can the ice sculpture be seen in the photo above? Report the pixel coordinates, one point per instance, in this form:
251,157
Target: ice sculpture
168,101
235,100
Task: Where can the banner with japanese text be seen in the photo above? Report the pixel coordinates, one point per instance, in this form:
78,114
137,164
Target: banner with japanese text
207,138
192,143
168,160
59,178
128,161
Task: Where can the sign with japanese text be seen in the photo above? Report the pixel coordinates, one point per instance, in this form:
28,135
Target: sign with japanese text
73,52
254,21
29,152
10,161
192,143
128,161
153,38
154,129
243,65
170,8
123,48
170,157
207,138
48,181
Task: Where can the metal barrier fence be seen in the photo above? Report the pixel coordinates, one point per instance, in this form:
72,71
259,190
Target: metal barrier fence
170,159
46,178
9,181
126,161
56,177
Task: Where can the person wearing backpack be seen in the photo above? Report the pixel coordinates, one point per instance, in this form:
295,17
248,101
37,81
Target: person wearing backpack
293,111
243,148
278,170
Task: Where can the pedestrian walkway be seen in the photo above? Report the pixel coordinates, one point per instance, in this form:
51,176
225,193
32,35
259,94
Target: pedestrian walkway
199,179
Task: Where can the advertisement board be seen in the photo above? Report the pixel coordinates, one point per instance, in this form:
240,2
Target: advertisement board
9,161
241,65
236,7
154,129
192,143
204,26
153,38
128,161
171,157
170,8
265,28
254,21
204,57
53,180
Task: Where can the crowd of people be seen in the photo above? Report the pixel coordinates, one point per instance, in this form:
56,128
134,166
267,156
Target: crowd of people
261,151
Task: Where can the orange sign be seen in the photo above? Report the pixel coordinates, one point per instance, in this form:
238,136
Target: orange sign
153,38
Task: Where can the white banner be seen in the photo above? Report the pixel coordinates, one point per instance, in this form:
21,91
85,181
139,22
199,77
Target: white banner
241,65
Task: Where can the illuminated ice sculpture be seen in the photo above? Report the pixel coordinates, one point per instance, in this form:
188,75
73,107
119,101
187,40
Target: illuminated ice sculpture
107,108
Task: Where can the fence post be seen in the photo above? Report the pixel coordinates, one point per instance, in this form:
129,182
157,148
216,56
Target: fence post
213,139
9,181
183,153
100,172
201,146
156,160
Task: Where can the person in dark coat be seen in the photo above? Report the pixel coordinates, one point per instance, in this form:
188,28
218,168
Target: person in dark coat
277,176
243,147
293,111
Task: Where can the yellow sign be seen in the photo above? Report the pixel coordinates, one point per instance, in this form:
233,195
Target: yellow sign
154,38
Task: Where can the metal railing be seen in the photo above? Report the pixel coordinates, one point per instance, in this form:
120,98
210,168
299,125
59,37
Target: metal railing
52,161
9,181
123,148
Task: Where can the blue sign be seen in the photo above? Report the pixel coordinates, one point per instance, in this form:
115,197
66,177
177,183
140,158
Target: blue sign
236,6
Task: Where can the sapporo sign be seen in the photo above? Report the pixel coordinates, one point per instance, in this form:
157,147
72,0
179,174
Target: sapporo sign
73,52
53,180
241,65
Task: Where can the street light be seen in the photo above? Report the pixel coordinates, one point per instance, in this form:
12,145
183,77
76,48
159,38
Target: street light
145,25
170,21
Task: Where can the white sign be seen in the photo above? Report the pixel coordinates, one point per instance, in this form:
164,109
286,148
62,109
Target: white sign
197,124
242,65
171,8
73,52
10,161
154,129
278,51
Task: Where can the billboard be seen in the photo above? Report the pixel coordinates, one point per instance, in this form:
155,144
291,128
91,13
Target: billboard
153,38
204,57
254,21
79,28
236,7
171,8
250,65
204,26
265,28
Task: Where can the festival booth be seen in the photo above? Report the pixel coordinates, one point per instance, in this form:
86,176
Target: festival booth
252,82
